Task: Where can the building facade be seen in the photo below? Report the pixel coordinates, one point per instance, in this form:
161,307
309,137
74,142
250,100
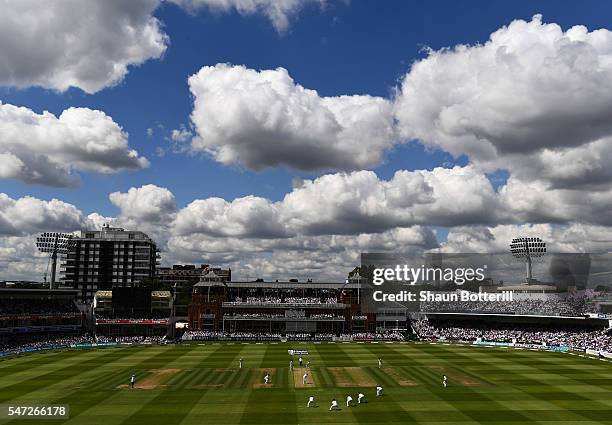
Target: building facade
182,278
315,308
185,274
107,258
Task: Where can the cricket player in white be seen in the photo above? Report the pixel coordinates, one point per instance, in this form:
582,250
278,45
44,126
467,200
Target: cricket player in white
266,378
290,364
300,360
132,380
334,405
379,362
241,361
349,400
379,391
444,381
305,378
361,398
311,402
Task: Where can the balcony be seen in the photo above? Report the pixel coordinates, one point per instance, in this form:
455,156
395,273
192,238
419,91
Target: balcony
321,306
281,318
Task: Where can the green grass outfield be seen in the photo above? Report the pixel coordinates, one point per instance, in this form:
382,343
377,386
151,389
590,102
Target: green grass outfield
201,384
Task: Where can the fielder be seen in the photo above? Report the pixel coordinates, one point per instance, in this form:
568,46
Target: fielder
311,401
379,391
300,360
132,381
241,361
444,380
305,378
290,364
349,400
361,398
379,363
334,405
266,378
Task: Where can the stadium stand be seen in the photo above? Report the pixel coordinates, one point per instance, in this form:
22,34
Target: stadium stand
575,338
551,306
38,313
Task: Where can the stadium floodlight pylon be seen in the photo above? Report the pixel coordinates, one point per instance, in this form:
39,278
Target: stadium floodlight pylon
527,249
54,243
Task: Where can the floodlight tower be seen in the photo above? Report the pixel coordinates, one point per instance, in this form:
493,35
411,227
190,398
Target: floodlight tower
527,249
54,243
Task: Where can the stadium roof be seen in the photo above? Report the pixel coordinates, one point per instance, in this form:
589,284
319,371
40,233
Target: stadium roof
283,285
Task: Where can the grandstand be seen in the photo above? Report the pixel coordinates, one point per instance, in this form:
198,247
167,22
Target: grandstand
131,312
30,315
591,335
298,311
560,321
283,308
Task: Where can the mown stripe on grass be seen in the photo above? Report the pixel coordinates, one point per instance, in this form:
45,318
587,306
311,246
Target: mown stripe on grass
46,368
85,398
19,389
333,355
106,380
504,415
325,378
274,356
572,374
282,378
25,362
445,412
207,379
88,396
194,378
239,380
167,408
270,406
381,378
171,407
458,396
391,414
179,379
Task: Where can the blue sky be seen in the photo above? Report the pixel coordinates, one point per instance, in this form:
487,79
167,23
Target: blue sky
363,47
512,131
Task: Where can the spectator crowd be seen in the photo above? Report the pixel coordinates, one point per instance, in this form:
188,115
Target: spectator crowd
547,335
251,336
545,307
285,300
37,306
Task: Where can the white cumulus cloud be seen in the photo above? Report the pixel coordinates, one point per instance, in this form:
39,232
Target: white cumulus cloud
87,44
530,99
148,203
262,119
29,215
279,12
49,150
